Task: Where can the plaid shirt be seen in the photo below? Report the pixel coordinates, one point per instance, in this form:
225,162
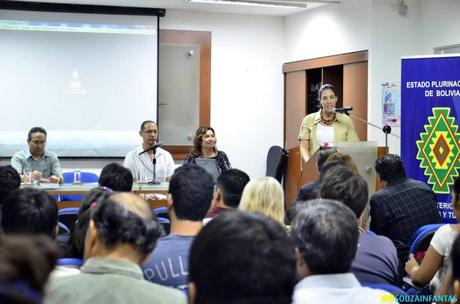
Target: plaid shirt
48,163
402,207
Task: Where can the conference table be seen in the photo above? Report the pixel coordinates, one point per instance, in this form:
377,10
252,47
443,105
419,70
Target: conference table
159,190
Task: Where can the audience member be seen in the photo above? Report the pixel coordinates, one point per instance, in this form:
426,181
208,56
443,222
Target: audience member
30,211
75,244
9,181
308,190
25,264
436,260
402,205
121,234
455,258
342,184
229,188
326,234
189,198
204,146
242,258
116,178
141,164
264,195
43,165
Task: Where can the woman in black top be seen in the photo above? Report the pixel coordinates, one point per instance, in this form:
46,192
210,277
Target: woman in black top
204,146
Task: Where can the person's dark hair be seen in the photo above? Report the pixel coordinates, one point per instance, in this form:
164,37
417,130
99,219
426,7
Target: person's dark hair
322,156
117,224
328,166
231,184
242,258
30,211
93,196
342,184
198,139
455,258
75,244
390,167
326,234
25,264
326,86
146,122
116,177
36,130
9,181
191,188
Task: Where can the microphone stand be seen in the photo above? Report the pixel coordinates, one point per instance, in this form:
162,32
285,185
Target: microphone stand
386,129
154,163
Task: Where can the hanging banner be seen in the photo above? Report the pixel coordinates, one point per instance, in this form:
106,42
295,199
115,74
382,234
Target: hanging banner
391,104
430,139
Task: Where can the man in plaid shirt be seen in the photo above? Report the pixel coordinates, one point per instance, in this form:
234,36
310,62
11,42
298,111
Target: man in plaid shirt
402,205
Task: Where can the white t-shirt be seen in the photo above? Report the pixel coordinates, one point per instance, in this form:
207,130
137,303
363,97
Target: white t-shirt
325,135
142,167
442,242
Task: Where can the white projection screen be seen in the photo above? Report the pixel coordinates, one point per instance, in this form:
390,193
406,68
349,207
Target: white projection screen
88,79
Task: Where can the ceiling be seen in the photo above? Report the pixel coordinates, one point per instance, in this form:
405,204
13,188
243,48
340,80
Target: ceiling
201,7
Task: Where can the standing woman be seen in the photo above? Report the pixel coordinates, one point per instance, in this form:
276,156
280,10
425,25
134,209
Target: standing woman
326,127
204,146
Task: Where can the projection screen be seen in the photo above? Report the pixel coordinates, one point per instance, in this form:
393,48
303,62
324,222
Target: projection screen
88,79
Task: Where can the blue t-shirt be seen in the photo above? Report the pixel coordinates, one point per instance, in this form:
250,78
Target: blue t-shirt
168,263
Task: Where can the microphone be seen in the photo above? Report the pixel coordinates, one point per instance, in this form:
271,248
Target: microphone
154,147
342,110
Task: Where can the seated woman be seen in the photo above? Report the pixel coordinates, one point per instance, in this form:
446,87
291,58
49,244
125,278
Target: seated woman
436,261
326,127
264,195
204,146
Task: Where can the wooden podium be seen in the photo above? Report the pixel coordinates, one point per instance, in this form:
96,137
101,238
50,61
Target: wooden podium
299,173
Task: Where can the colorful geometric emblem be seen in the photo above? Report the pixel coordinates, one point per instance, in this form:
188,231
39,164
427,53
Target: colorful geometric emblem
439,150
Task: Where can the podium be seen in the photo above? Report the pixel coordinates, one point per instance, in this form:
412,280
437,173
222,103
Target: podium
364,154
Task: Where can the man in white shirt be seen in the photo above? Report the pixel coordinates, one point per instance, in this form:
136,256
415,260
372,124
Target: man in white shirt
326,235
141,164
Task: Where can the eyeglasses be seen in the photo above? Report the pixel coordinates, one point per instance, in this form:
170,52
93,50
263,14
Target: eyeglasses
149,132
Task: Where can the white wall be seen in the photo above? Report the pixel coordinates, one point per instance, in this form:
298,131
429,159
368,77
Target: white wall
328,30
246,82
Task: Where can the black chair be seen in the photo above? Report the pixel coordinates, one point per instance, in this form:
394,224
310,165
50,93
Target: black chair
276,162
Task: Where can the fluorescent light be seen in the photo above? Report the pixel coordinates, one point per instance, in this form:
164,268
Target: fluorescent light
284,3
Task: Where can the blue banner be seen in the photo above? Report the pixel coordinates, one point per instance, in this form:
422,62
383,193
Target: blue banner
430,139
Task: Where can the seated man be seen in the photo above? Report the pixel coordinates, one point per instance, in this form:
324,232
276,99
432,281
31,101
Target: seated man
242,258
188,200
141,164
43,165
116,178
30,211
326,234
227,195
348,187
121,234
412,201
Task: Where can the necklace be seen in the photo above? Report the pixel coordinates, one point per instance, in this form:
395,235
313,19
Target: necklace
326,121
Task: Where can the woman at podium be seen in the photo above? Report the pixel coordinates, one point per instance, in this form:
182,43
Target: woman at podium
204,146
326,127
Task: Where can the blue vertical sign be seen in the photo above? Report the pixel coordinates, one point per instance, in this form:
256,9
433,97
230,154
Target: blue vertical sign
430,137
